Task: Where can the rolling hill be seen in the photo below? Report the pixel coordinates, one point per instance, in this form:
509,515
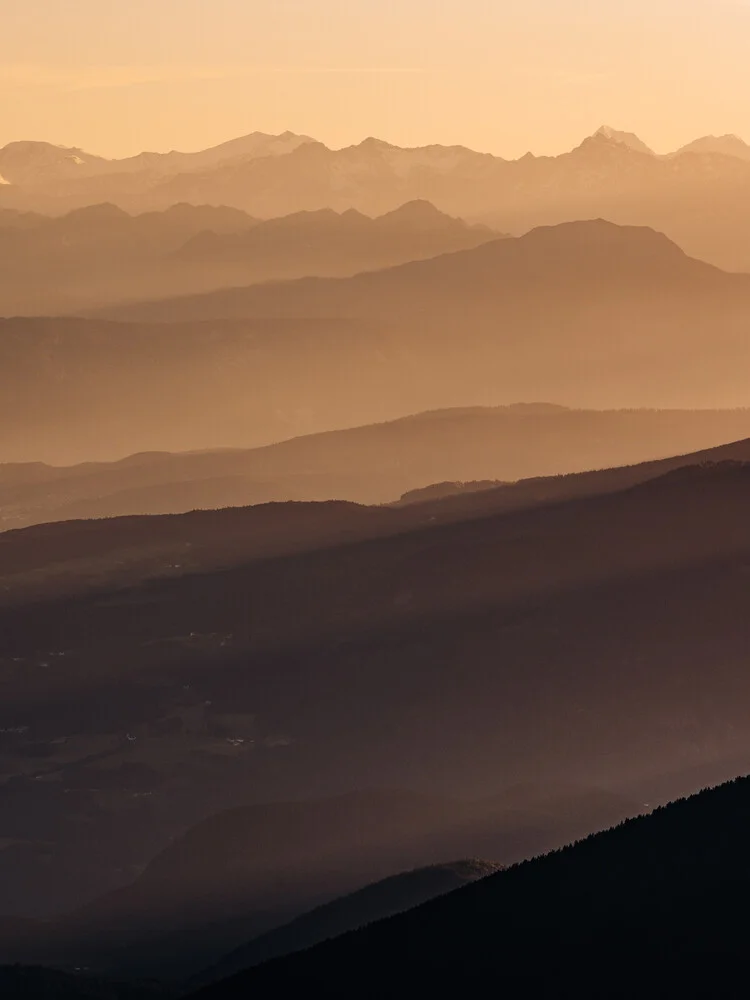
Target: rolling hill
374,464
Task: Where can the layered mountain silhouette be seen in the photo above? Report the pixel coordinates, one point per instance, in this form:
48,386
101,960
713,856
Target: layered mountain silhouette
696,195
34,164
654,898
266,675
587,314
649,907
101,254
160,670
415,458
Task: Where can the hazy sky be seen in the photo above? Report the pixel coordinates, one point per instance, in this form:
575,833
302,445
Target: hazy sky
120,76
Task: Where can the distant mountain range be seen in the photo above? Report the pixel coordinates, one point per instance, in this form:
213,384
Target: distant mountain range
698,195
101,255
587,314
425,456
39,163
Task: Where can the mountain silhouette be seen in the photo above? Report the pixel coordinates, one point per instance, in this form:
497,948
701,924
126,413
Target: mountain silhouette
696,195
576,254
628,139
437,453
100,254
38,163
275,876
166,669
32,163
654,898
375,902
588,314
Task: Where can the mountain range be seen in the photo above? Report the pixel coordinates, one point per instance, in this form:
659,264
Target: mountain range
101,255
584,314
696,195
274,654
28,164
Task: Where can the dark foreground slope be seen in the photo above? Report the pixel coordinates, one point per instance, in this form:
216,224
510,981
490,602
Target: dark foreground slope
654,907
372,464
374,902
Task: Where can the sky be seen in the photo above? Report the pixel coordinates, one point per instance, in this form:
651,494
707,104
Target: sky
116,77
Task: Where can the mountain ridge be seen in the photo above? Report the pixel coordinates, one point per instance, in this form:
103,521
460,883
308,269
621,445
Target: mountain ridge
611,174
663,917
370,464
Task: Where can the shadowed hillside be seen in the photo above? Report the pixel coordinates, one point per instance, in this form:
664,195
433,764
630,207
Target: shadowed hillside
309,660
245,872
63,559
374,902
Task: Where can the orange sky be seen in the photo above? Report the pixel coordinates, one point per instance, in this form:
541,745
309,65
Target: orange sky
119,76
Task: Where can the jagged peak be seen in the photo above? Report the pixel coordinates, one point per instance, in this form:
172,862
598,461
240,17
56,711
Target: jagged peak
629,139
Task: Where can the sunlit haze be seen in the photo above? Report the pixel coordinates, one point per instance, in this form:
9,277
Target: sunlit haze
503,76
374,489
